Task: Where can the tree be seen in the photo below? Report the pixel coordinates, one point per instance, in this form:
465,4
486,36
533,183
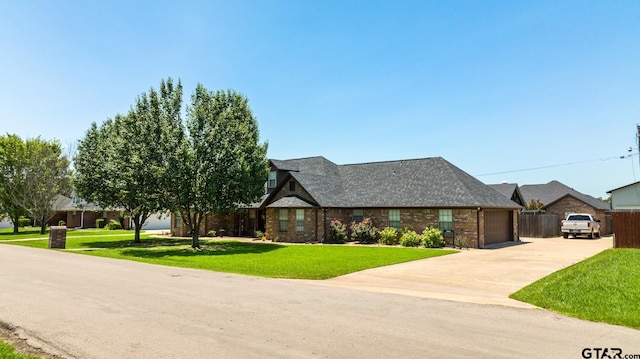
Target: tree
47,177
534,205
125,163
33,173
12,178
222,164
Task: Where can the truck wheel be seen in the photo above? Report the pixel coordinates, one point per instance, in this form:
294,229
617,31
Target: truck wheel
565,235
590,235
597,234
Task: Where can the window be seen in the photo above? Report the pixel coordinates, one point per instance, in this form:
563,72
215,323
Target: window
283,220
299,220
177,221
272,179
358,215
292,185
394,218
445,219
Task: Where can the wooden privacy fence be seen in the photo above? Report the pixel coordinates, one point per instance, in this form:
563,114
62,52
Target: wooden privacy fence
539,225
626,229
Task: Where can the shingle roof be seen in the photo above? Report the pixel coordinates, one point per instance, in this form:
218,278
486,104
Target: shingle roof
553,191
427,182
290,201
506,189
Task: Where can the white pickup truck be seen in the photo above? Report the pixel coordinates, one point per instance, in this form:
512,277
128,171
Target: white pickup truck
580,223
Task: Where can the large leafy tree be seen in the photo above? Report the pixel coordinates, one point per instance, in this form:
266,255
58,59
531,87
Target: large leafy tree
12,178
125,162
222,164
47,176
33,174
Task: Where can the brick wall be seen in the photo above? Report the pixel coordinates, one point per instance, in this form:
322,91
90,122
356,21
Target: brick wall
465,222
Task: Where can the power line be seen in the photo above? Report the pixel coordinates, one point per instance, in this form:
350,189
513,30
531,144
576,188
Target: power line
558,165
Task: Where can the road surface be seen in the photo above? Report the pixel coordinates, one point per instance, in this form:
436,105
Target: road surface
91,307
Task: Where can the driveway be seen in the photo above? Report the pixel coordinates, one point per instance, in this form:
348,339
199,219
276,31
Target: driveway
485,276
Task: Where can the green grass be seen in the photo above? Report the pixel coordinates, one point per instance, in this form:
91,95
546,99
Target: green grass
603,288
258,259
33,232
7,351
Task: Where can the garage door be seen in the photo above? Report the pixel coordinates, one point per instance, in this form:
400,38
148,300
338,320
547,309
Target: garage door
498,227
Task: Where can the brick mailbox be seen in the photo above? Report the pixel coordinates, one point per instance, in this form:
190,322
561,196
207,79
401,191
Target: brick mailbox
58,237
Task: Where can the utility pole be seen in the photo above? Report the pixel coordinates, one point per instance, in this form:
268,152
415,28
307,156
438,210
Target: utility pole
638,141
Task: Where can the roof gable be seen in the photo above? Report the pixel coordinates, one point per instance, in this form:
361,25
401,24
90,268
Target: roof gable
554,191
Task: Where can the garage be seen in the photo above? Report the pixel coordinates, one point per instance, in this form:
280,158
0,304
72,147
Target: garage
498,227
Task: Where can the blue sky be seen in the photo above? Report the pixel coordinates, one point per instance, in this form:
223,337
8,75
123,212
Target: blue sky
491,86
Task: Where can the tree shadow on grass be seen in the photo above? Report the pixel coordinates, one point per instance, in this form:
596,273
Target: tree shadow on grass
144,243
208,249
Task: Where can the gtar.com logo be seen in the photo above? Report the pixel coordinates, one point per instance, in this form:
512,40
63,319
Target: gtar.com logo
602,353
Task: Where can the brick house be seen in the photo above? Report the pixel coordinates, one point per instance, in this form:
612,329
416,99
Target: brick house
305,194
561,200
78,214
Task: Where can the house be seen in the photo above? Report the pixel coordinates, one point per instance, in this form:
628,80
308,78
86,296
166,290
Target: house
625,197
511,191
76,213
561,200
306,194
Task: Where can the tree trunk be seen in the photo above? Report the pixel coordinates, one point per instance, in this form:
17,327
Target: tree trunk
136,223
195,243
43,225
195,231
15,227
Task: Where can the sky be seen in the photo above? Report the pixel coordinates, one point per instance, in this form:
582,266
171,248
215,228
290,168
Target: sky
519,91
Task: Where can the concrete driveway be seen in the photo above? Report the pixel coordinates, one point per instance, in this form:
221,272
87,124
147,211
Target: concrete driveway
485,276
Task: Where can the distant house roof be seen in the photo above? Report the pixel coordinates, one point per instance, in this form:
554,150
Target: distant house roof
619,188
290,201
427,182
509,190
553,191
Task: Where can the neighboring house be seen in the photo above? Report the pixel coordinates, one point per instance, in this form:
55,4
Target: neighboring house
77,213
304,195
625,197
561,200
511,191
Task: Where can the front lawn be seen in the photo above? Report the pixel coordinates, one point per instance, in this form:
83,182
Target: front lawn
603,288
251,258
34,232
7,351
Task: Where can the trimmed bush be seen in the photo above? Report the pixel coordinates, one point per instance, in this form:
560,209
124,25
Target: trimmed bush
23,221
388,236
61,223
113,225
100,223
410,239
432,238
211,233
259,234
364,232
337,232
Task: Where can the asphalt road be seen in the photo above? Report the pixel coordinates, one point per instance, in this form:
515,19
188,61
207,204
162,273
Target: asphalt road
92,307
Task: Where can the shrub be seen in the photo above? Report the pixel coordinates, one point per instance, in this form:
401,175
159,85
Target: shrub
113,225
432,238
23,221
410,239
100,223
388,236
211,233
460,243
259,234
337,232
363,232
61,223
